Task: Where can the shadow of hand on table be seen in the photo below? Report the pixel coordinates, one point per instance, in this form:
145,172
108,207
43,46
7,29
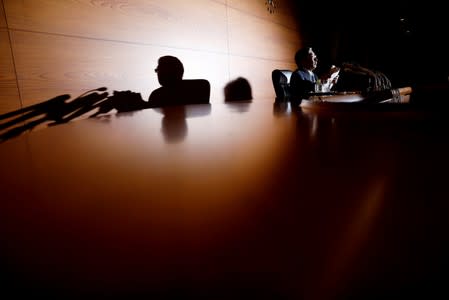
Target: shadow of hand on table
58,110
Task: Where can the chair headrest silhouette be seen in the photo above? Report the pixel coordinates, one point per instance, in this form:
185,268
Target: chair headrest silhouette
186,91
196,91
281,83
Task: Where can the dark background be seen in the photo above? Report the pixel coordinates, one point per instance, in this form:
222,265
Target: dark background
405,40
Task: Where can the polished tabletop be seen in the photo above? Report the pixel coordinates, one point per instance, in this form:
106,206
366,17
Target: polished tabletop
240,200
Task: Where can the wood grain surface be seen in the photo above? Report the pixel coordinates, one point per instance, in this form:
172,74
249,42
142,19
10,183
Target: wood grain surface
70,46
2,16
254,37
63,65
258,72
197,24
282,15
261,200
9,95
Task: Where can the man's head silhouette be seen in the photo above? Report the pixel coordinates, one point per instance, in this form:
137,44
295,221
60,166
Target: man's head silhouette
169,70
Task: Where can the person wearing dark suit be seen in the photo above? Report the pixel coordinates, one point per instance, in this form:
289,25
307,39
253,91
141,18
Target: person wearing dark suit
303,79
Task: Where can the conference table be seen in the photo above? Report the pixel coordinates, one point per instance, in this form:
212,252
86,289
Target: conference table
239,200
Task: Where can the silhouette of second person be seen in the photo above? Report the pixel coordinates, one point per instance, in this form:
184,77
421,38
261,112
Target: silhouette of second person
174,90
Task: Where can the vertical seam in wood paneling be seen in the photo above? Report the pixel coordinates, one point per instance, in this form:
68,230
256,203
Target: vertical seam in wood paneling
12,55
227,40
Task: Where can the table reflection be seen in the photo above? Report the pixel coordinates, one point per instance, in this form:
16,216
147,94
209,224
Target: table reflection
228,200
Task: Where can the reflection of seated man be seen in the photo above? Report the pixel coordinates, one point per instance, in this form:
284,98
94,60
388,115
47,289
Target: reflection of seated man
169,74
174,124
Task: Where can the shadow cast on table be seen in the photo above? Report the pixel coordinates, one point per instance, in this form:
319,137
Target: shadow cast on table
60,109
174,91
98,102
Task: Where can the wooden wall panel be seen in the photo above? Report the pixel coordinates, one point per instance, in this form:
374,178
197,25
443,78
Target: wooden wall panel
254,37
258,73
51,65
2,16
283,14
9,94
71,46
196,24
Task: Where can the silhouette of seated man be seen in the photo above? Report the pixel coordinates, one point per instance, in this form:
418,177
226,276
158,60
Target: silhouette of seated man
174,89
174,123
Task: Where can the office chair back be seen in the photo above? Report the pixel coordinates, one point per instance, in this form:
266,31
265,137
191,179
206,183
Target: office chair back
187,91
281,84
